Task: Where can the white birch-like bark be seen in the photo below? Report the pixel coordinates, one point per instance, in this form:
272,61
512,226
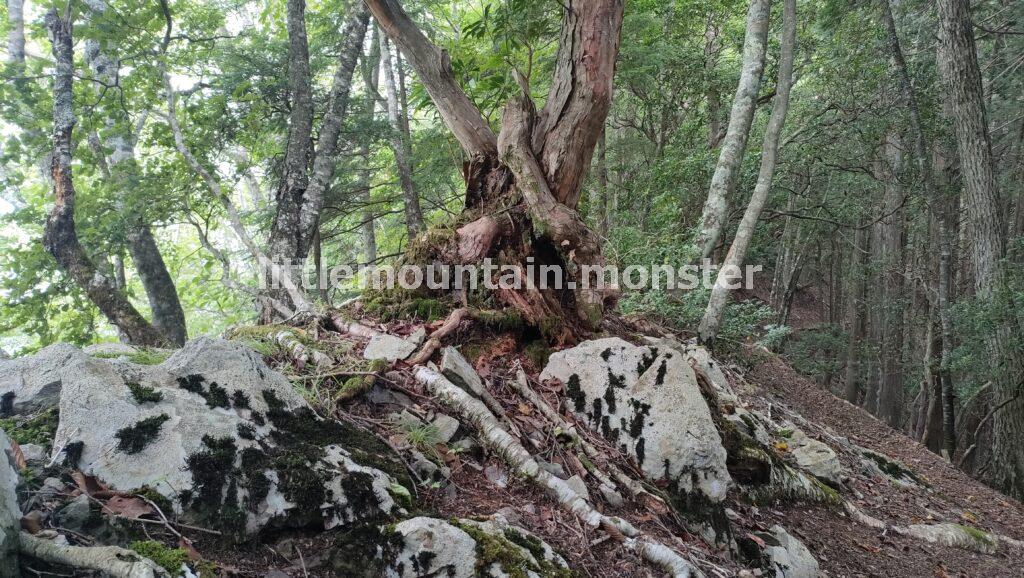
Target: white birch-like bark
712,219
715,311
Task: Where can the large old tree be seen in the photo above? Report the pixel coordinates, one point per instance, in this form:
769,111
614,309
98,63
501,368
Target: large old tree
524,183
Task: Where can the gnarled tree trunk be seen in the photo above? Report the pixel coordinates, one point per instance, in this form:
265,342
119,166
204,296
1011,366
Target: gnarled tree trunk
523,186
60,237
116,146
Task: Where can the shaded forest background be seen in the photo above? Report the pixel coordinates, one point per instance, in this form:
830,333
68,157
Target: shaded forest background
877,255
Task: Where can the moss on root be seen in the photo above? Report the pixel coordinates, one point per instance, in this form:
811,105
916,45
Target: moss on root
507,551
172,559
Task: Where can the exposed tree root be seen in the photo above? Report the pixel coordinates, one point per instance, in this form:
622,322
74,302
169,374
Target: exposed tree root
473,411
109,560
434,342
300,352
953,535
633,487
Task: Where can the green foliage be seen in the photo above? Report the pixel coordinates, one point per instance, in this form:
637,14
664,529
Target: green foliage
38,429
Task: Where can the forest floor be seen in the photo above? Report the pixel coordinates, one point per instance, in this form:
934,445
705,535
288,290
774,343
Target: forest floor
845,548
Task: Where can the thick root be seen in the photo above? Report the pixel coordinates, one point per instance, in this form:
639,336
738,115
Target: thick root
109,560
515,455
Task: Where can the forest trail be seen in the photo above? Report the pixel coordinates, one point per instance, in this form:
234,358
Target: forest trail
844,548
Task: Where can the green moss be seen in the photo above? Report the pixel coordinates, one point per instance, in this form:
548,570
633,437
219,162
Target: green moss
537,352
156,497
979,536
38,429
133,439
149,356
507,551
892,468
143,394
171,559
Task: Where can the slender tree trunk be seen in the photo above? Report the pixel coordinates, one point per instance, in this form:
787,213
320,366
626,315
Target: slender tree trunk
602,188
922,155
371,73
16,33
715,311
890,389
413,213
958,67
712,220
300,193
712,50
60,237
856,319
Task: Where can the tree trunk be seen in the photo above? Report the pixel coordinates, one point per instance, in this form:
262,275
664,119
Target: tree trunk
715,311
300,193
399,146
890,387
16,33
60,237
712,49
602,188
539,159
117,149
371,73
856,319
958,67
712,220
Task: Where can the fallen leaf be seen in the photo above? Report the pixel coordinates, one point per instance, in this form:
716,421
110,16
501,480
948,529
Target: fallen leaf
782,446
757,540
129,507
967,515
186,545
88,485
18,455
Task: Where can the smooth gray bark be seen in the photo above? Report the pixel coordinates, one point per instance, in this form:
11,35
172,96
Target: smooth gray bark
712,220
401,150
715,311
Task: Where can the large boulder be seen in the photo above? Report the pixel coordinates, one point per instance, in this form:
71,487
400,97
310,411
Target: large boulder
224,438
468,548
32,384
10,513
646,400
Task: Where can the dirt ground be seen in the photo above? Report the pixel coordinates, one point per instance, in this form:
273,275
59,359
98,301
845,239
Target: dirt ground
845,548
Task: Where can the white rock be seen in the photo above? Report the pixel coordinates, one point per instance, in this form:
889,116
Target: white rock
816,458
646,400
111,349
460,372
446,427
433,547
388,347
33,383
34,454
579,486
788,557
221,412
10,513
